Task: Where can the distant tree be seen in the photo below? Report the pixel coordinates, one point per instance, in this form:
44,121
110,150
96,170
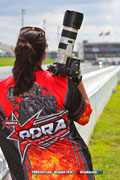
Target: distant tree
53,54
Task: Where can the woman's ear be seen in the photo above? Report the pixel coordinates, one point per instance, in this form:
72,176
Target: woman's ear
43,57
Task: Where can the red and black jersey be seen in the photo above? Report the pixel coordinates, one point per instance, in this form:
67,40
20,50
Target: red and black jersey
37,132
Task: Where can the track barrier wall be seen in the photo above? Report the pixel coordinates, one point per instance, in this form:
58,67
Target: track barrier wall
99,86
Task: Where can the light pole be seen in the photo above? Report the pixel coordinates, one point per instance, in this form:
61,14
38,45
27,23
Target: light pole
58,35
22,16
44,24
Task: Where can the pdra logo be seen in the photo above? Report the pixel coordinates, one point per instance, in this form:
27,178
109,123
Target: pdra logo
40,131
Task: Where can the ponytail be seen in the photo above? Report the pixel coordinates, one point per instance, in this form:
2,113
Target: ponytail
26,58
23,70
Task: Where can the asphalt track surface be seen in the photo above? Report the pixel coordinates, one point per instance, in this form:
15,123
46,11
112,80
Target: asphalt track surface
85,68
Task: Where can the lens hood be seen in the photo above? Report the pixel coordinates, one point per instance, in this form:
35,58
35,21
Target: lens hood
73,19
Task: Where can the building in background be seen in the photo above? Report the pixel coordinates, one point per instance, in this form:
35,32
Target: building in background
107,52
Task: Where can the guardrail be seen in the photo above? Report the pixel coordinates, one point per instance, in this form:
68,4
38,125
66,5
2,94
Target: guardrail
99,85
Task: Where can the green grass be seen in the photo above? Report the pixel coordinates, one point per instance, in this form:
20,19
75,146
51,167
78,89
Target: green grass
105,141
48,61
7,61
10,61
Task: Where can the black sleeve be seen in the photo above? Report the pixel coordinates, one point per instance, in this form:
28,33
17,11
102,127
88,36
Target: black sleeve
74,102
2,116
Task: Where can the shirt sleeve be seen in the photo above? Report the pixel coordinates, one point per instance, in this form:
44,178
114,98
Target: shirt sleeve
79,109
2,116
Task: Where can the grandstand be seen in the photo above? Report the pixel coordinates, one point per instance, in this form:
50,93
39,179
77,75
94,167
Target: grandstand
99,51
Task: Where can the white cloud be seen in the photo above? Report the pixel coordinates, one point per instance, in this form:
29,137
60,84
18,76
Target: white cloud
98,17
108,17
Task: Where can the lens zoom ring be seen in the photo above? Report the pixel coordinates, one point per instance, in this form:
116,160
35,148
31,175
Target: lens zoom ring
62,46
69,34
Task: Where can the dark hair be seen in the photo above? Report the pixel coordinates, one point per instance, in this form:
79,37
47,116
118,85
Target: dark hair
29,51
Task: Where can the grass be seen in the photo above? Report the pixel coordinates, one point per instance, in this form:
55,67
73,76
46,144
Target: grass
48,61
105,141
10,61
7,61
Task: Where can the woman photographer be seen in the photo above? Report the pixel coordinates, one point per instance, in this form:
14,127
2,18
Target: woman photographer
37,113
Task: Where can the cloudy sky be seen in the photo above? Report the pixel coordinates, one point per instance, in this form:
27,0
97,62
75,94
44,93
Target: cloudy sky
99,16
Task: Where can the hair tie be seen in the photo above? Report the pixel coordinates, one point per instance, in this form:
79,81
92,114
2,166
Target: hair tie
30,47
23,40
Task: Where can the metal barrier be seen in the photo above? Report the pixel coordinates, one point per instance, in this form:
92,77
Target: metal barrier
99,86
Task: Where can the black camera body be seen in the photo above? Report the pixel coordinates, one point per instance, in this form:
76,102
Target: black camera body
70,69
66,65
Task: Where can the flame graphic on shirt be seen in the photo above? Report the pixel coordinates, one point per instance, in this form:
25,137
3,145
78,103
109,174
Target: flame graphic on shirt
39,131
